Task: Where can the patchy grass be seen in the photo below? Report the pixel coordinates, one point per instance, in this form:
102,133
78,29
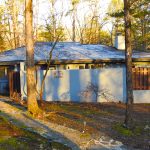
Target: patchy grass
14,138
120,129
136,131
102,119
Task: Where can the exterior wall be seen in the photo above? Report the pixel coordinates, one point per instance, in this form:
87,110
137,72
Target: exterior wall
70,85
23,80
142,96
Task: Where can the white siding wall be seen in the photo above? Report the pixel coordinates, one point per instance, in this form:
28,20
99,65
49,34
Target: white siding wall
23,80
67,85
142,96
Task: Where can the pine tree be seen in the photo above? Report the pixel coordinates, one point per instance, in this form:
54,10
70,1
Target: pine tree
129,89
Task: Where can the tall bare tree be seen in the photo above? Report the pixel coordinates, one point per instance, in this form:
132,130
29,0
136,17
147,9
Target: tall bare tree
36,20
31,86
12,12
47,68
129,88
74,12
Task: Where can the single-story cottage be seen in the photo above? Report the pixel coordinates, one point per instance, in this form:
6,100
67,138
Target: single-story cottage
78,73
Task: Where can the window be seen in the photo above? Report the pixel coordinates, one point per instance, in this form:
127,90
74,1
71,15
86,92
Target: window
44,67
141,78
2,73
86,66
96,66
81,67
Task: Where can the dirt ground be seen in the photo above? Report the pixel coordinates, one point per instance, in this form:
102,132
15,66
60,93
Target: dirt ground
15,138
103,119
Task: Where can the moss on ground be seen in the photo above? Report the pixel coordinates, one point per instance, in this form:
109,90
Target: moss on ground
127,132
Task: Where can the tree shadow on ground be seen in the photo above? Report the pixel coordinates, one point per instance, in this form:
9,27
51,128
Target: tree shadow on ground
104,119
38,127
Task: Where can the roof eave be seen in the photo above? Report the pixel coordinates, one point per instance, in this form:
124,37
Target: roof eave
10,63
79,61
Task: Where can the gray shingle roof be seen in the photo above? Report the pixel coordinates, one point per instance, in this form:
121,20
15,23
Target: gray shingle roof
69,51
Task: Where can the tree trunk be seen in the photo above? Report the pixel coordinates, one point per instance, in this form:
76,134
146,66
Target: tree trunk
47,69
36,21
31,86
74,13
73,28
53,21
129,88
111,33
